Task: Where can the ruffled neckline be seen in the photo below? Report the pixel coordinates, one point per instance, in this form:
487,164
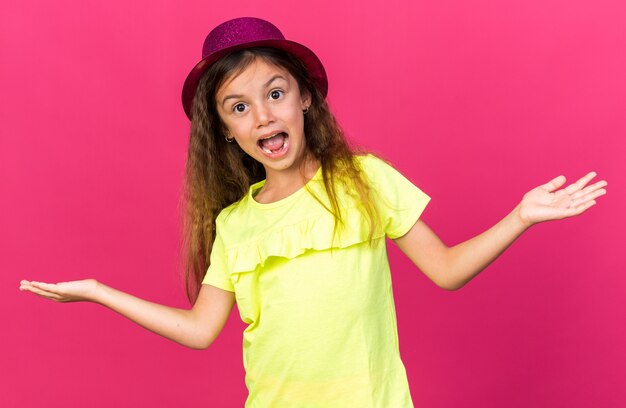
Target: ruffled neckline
312,229
290,241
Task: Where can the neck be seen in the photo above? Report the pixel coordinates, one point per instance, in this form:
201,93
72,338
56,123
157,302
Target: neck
281,184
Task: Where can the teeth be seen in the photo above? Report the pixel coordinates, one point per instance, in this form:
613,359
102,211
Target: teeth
283,147
270,136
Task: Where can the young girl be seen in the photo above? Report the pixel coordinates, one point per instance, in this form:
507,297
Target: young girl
289,222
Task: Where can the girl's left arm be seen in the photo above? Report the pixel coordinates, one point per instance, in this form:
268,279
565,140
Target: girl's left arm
452,267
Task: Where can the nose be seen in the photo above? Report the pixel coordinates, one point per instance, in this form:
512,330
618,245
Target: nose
264,115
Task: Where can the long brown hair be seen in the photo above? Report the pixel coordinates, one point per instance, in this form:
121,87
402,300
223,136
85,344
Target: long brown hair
219,173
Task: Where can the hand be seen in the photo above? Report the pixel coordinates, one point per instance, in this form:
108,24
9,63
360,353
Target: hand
543,203
75,291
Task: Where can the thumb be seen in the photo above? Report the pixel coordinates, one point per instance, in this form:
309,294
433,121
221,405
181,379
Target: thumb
554,183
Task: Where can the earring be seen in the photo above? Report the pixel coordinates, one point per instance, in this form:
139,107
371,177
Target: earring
229,140
306,110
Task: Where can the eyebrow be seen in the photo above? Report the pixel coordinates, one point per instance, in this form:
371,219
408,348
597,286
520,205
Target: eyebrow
272,79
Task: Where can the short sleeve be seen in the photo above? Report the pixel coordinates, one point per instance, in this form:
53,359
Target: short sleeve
217,273
399,202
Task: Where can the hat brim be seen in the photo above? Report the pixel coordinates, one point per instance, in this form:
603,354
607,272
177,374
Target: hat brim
308,58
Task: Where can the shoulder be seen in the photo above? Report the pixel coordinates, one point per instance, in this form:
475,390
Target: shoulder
367,159
387,182
231,213
370,161
376,169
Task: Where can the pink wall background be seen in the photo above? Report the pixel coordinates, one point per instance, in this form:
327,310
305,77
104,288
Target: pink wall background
477,102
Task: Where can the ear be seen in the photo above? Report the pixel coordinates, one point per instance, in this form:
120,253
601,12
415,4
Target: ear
223,128
305,99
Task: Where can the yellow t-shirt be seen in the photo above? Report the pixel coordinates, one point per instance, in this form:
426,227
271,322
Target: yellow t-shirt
320,311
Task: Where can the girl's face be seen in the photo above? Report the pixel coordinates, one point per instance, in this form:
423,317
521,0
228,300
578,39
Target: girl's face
262,109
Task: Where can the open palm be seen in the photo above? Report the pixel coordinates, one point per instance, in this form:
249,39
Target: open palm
74,291
546,203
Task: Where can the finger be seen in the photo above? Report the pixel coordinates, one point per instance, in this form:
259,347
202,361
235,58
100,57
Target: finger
42,293
42,287
578,185
25,285
50,296
582,208
48,287
589,189
553,184
588,197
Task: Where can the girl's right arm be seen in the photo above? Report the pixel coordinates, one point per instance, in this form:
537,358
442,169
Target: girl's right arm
196,328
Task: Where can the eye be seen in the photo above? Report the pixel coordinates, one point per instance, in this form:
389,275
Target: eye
239,108
276,93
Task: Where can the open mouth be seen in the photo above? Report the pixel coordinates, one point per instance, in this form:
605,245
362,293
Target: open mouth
274,145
